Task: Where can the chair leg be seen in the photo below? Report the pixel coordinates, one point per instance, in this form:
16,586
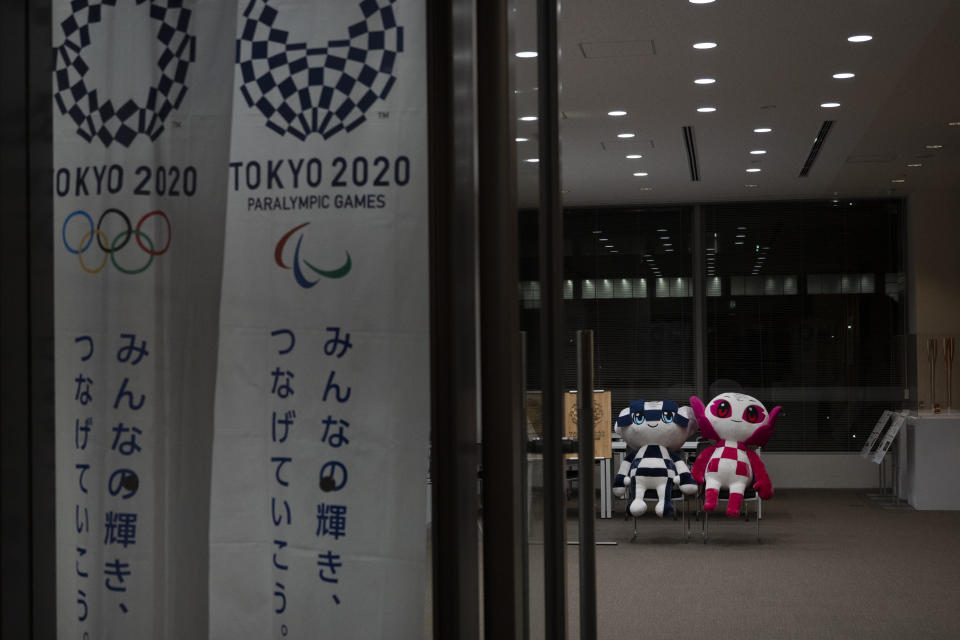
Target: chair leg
759,502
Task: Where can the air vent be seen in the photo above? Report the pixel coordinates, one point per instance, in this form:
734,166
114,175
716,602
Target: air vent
815,149
691,148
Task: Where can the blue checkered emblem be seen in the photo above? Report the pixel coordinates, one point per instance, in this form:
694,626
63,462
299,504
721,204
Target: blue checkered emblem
301,89
111,119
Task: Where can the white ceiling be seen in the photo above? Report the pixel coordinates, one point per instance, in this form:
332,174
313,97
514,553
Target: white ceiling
774,67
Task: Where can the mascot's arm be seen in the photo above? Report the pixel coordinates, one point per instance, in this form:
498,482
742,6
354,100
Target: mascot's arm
761,481
700,465
685,481
618,482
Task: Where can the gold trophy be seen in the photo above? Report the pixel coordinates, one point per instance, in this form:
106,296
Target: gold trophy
932,359
948,347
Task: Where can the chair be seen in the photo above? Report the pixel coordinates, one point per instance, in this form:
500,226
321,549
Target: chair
749,495
650,495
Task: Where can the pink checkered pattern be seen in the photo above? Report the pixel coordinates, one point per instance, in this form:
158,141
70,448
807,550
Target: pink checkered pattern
734,451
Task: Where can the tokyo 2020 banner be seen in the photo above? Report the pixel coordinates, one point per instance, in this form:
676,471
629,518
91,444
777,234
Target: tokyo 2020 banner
142,97
322,407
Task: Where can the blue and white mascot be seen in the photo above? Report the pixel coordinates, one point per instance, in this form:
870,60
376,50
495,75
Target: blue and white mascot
654,431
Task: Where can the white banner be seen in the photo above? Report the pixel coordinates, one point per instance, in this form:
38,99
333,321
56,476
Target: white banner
141,115
322,408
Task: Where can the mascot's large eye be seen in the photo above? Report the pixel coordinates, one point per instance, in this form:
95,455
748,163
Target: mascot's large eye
721,409
753,414
668,416
638,417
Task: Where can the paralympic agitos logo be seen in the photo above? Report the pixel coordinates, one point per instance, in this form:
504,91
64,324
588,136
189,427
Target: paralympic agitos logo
298,263
121,119
303,88
79,238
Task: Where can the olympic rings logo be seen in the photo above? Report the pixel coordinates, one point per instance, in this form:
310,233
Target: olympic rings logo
110,248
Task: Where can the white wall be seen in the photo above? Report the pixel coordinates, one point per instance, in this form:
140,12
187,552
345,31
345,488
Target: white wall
820,471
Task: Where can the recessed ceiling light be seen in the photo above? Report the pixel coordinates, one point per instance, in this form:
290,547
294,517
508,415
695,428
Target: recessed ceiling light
750,186
934,146
763,130
608,246
861,38
625,135
758,152
915,164
522,139
646,188
526,54
753,170
830,105
741,228
616,113
701,1
614,251
843,76
704,80
668,250
603,239
661,230
532,160
668,244
898,180
634,156
597,231
741,235
528,118
706,109
704,45
664,237
954,124
641,174
738,242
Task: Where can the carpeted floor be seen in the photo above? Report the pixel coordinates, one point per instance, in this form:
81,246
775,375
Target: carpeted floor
831,564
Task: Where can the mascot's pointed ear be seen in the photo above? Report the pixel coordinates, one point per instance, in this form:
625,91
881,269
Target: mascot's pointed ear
706,429
687,412
763,433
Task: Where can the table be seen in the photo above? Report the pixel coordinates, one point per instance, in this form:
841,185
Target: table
606,485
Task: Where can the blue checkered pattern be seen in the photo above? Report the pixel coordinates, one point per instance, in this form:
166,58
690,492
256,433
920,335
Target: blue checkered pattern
302,89
122,121
653,460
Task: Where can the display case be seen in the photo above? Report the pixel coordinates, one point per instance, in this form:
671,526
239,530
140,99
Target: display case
938,382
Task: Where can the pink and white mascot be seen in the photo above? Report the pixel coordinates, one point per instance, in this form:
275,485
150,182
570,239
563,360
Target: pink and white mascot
735,422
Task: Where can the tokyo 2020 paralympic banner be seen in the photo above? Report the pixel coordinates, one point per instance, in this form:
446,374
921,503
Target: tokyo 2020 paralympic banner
142,97
322,408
